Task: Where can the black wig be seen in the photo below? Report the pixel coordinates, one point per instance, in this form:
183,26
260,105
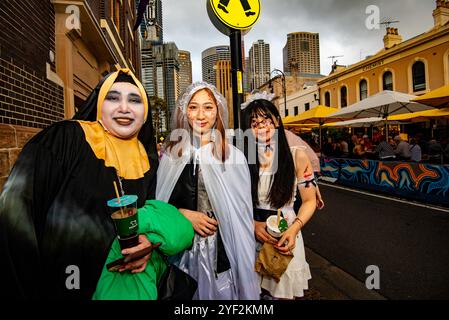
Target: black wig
283,184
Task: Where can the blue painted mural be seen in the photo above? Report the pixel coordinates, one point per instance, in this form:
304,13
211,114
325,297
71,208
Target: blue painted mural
425,182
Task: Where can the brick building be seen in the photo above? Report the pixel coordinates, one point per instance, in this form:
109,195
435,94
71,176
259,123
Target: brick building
52,54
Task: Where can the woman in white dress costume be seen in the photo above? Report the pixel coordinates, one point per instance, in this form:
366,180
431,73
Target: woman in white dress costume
208,180
280,172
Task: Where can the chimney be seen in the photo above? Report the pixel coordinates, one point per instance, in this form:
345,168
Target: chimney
392,38
441,13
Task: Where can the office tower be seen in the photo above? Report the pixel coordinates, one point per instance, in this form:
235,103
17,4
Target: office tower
160,76
302,50
247,77
259,64
148,67
167,73
209,58
185,70
152,35
160,66
151,27
224,85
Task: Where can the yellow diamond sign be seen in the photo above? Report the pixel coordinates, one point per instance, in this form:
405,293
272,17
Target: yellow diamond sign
234,14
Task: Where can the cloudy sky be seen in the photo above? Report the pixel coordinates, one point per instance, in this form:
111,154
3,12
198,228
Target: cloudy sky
340,23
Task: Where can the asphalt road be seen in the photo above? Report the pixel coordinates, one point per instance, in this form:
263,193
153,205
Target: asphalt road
409,243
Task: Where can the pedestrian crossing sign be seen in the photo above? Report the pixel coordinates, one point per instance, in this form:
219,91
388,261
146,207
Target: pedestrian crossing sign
236,14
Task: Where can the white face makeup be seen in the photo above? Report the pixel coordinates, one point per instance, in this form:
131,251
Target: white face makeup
123,111
202,112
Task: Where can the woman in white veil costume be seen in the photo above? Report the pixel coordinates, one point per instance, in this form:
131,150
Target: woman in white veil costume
208,180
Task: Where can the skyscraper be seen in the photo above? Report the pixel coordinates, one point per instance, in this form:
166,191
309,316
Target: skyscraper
247,77
259,64
302,51
152,34
209,58
167,74
160,63
148,67
151,27
224,85
185,70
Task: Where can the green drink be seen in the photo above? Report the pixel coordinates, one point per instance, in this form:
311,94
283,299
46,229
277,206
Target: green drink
124,215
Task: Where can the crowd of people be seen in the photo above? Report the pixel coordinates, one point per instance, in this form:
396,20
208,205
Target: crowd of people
378,147
202,200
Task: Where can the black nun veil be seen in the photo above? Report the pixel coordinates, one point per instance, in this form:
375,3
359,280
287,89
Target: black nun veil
55,229
88,112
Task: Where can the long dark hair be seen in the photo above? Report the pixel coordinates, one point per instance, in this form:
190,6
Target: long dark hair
281,191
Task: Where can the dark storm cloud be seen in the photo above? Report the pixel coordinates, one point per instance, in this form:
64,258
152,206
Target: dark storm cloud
341,24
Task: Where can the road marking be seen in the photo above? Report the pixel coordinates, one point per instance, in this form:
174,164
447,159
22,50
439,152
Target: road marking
384,197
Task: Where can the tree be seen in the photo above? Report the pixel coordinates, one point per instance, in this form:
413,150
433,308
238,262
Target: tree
159,112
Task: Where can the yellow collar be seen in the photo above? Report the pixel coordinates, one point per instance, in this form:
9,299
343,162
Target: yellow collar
127,156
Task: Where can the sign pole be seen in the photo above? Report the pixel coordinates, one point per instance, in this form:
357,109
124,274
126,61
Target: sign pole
234,19
236,74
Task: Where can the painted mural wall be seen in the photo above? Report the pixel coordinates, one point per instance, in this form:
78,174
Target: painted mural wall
424,182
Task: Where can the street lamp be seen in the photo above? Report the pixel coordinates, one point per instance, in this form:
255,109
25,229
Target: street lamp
284,85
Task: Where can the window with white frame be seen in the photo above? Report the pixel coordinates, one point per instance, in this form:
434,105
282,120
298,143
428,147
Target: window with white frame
387,81
363,89
419,76
327,99
344,97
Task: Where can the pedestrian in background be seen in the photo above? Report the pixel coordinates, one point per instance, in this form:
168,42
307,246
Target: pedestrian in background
402,150
344,147
359,149
384,150
415,151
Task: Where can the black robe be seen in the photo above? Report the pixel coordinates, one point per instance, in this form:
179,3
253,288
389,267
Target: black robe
54,222
53,215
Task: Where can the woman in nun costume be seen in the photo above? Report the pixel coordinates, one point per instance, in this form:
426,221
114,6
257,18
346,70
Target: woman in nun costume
56,233
208,180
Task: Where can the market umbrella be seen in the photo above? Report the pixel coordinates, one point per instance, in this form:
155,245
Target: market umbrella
287,118
301,125
421,115
382,104
437,98
317,116
357,123
298,130
362,123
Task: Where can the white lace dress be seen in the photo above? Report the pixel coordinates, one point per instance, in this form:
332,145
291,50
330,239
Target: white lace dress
295,279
